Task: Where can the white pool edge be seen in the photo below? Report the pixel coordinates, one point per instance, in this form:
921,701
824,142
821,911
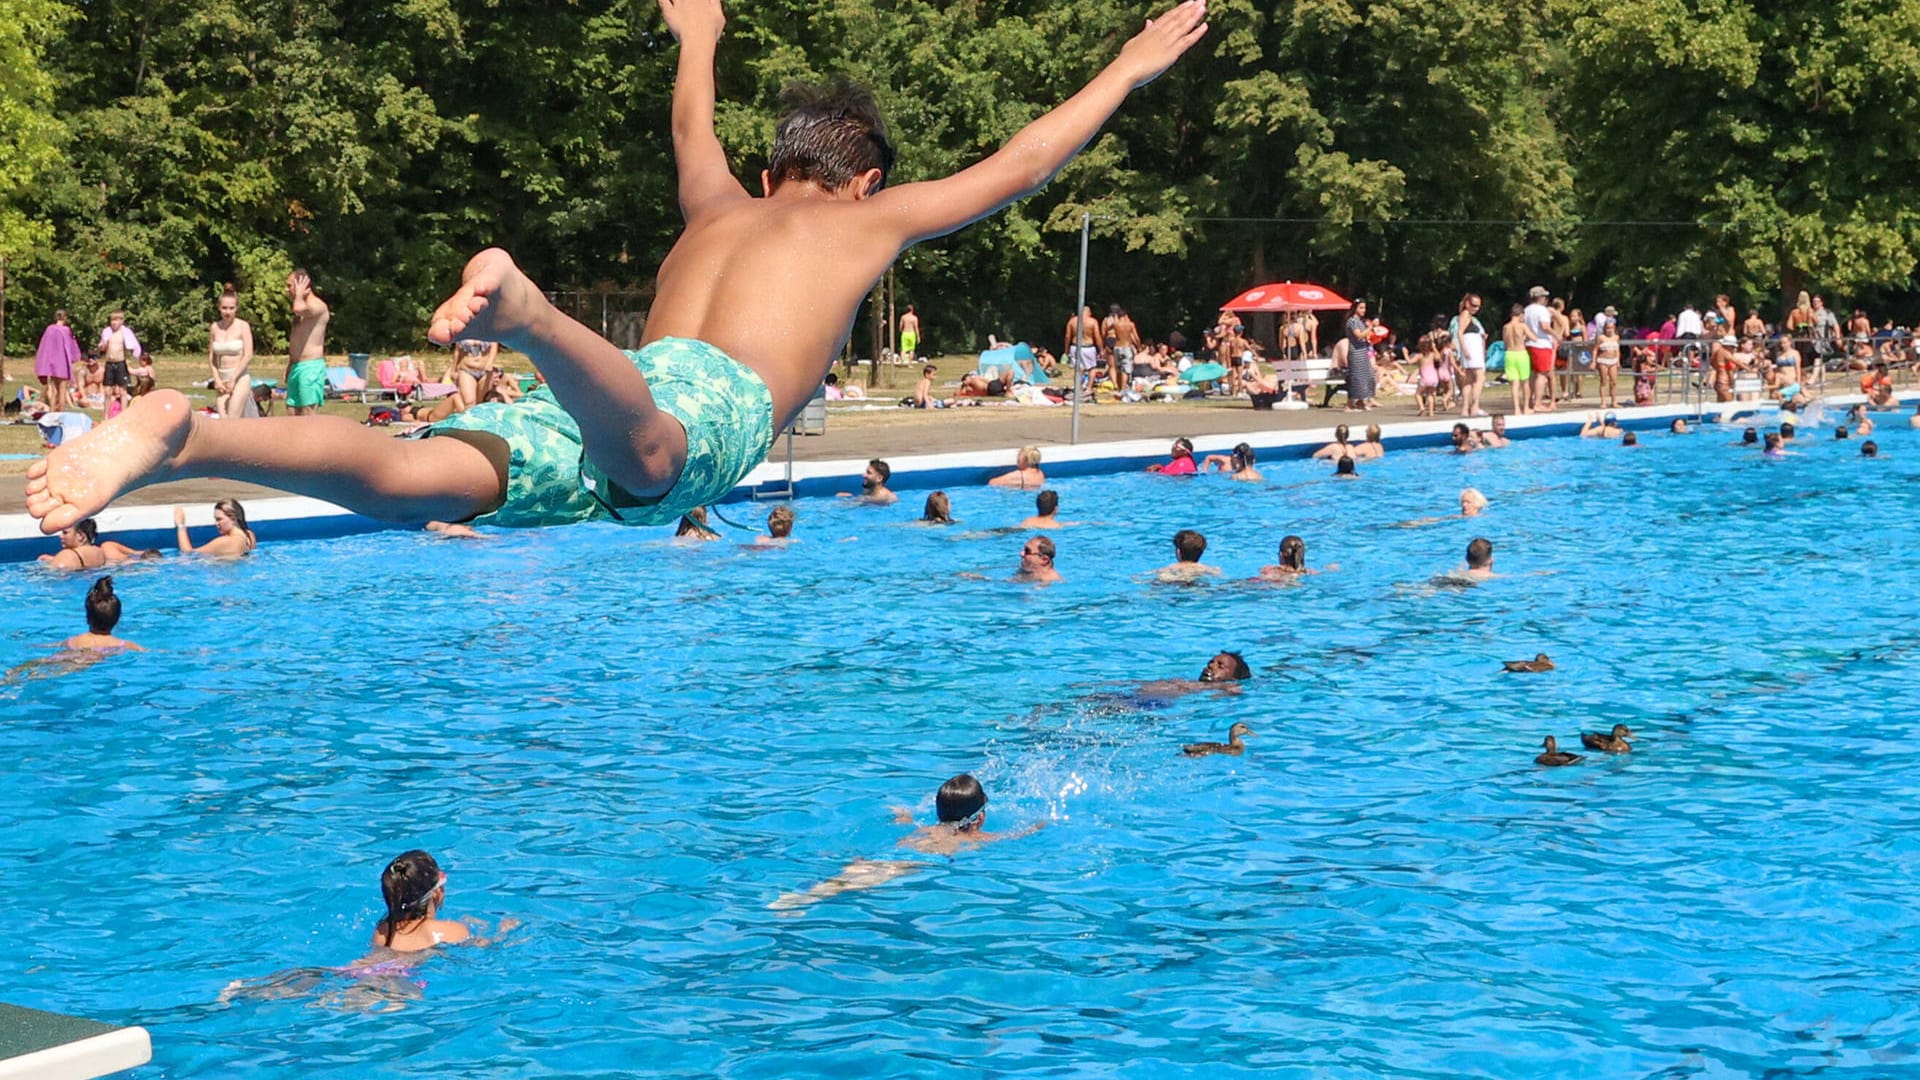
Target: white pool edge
83,1059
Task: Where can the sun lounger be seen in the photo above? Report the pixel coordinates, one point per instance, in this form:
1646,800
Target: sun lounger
342,383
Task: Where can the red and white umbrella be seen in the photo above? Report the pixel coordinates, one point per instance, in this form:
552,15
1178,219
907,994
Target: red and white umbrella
1288,296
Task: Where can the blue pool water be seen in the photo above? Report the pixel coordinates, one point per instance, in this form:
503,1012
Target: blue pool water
635,748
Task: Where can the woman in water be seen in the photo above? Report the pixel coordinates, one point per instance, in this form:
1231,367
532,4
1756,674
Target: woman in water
939,510
1293,562
1181,462
231,519
103,614
1026,472
229,352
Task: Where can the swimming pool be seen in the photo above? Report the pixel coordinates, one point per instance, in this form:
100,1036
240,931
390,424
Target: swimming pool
635,748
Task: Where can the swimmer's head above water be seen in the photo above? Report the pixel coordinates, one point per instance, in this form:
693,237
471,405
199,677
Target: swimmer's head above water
1344,467
1227,667
939,510
830,136
1480,554
1869,449
413,886
1242,457
103,607
780,522
1189,545
84,533
1047,503
1293,553
1472,502
1749,437
962,803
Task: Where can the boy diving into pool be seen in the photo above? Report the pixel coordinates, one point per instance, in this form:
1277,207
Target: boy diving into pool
637,437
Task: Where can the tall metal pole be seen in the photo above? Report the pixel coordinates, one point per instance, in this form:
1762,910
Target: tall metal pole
1079,330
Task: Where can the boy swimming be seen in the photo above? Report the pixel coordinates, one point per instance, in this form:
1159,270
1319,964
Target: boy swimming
646,436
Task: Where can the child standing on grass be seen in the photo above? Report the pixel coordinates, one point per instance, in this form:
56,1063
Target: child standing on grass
637,437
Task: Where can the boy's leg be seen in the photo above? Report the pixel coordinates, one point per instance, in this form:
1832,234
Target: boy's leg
159,437
638,446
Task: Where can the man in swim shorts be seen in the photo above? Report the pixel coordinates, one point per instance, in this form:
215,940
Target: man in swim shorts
638,437
306,346
909,335
1519,366
1542,343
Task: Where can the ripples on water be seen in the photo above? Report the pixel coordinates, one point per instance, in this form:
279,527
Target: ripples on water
634,748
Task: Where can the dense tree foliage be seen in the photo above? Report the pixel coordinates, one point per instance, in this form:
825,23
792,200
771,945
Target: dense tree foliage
1400,149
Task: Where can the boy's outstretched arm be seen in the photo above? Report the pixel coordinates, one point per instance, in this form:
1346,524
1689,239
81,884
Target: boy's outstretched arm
701,163
1042,148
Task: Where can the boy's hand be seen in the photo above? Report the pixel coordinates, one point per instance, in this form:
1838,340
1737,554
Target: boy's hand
697,20
1165,39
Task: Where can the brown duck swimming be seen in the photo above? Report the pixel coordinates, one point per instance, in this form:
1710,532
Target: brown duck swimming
1554,755
1615,743
1233,745
1540,662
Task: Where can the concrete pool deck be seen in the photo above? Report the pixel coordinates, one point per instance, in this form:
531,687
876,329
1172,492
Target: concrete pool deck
925,450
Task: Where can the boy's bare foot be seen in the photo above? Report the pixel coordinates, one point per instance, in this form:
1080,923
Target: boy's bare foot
495,302
134,449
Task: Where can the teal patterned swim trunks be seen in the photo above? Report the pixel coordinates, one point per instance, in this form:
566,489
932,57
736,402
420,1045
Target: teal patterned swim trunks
724,406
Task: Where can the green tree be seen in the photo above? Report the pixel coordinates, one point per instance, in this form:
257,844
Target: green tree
1781,132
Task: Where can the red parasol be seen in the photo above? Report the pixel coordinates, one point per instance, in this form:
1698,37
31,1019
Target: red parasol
1288,296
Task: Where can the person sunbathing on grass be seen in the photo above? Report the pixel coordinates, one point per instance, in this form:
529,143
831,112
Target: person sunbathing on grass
641,437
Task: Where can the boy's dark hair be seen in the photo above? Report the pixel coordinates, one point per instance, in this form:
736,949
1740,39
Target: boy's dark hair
1344,467
1480,553
882,469
959,799
828,135
1240,669
1190,545
1047,502
1869,449
103,608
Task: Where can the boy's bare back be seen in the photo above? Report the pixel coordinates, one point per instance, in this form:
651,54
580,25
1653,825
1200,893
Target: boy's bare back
775,282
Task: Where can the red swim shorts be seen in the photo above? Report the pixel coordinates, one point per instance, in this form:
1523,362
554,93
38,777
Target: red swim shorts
1542,356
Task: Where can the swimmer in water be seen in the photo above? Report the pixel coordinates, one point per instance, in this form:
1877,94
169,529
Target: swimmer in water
1188,546
1238,464
1749,437
1293,562
938,510
693,528
1629,439
1471,504
1870,449
779,528
233,538
1479,561
1026,472
103,614
873,486
1224,674
415,889
1496,436
961,807
1046,512
1036,562
1776,447
1600,427
1343,469
1339,447
1679,427
637,437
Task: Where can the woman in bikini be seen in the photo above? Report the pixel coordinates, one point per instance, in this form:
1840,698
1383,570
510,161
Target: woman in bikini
229,351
